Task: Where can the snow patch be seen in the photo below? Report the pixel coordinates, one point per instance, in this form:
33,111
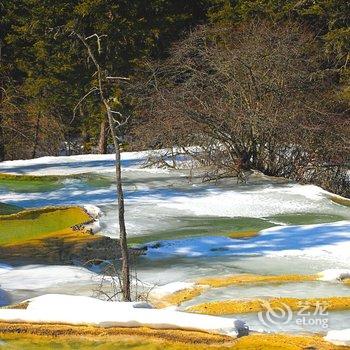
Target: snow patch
341,337
33,277
77,310
94,211
170,288
334,275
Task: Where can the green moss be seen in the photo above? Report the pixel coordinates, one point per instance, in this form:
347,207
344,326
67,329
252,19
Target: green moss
37,223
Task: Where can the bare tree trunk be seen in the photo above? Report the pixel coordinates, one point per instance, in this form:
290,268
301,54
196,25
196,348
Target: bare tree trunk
102,143
2,141
112,126
36,135
121,211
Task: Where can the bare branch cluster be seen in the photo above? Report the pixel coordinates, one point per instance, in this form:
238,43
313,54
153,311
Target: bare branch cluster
251,97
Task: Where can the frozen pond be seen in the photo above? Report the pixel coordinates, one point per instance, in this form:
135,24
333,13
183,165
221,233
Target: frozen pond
188,223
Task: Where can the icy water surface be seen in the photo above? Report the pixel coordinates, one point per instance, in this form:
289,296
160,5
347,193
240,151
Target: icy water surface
166,205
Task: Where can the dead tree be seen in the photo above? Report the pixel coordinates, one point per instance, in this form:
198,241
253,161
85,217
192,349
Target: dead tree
116,123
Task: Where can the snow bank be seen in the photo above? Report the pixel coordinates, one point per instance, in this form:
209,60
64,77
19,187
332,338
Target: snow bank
94,211
334,275
80,164
339,337
330,241
170,288
77,310
70,165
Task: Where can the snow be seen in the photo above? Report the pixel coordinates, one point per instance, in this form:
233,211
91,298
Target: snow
78,164
170,288
156,199
260,202
166,202
33,277
334,275
4,268
93,211
77,310
339,337
69,165
93,227
330,241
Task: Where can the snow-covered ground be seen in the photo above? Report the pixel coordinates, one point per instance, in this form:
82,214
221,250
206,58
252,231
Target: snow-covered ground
185,223
80,310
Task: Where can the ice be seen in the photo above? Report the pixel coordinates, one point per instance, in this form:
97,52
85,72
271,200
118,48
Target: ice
32,277
283,290
158,200
187,222
329,241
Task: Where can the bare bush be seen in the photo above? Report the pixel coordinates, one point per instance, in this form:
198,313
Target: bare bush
253,97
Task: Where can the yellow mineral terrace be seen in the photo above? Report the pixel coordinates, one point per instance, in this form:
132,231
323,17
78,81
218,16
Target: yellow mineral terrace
228,307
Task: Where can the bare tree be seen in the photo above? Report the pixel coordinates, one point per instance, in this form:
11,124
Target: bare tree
252,97
116,122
